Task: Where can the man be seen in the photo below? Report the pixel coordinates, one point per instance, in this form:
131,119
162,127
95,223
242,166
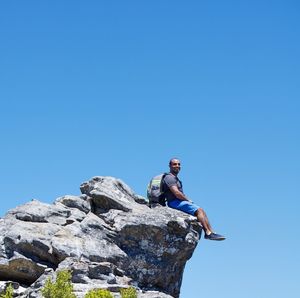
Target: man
176,199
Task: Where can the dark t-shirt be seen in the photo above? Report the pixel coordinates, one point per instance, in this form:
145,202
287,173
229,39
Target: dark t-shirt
171,180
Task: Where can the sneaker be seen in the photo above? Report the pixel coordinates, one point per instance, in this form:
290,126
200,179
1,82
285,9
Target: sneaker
214,236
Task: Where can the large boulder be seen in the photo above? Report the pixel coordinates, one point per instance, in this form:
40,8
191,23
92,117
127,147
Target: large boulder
108,237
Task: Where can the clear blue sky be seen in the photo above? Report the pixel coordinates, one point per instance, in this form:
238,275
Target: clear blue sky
118,87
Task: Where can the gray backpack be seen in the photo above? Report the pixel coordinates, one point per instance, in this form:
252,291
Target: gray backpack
155,193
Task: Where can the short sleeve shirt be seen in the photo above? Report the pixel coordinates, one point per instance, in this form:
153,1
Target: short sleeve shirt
171,180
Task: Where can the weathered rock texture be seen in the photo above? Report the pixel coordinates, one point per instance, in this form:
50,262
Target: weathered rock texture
108,237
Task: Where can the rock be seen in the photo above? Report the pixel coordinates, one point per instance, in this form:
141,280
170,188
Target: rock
36,211
81,203
108,237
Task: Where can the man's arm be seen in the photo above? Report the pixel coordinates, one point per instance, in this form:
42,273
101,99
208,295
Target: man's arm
179,195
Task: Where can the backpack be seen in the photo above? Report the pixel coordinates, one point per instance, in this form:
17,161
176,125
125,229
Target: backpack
155,193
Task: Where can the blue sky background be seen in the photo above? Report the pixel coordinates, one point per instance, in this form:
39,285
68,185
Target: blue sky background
119,87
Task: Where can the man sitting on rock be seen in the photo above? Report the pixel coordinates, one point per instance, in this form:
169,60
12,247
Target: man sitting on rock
172,188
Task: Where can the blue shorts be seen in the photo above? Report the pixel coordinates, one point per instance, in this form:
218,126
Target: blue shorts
185,206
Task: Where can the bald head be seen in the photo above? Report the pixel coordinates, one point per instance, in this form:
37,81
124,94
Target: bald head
174,165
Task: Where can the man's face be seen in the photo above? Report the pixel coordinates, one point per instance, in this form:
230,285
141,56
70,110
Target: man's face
175,166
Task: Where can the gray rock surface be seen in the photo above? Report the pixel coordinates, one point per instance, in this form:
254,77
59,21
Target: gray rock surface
108,237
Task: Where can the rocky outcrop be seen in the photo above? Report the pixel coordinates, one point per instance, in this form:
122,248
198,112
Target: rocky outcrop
108,237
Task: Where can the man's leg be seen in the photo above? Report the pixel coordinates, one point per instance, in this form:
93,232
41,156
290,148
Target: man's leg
191,208
209,233
202,218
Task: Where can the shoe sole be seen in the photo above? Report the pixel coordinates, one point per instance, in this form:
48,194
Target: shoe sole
215,239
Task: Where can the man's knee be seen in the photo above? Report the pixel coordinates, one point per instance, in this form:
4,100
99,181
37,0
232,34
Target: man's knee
200,212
